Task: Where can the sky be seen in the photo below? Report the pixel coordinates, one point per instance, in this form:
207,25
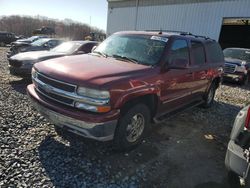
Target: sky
92,12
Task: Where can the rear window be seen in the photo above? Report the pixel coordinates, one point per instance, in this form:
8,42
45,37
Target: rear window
198,53
214,52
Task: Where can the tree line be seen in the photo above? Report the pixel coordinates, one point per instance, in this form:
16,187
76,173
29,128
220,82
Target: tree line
26,25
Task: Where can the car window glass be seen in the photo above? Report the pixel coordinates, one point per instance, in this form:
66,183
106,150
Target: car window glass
145,50
52,43
214,52
178,51
198,52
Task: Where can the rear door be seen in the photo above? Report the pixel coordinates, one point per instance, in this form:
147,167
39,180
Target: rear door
200,68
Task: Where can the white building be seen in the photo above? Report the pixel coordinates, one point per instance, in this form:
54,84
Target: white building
218,19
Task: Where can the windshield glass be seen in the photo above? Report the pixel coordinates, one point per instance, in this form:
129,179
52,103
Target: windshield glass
237,54
40,42
138,49
67,47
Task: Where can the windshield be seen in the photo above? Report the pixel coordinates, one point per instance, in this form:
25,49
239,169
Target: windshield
138,49
67,47
40,42
237,54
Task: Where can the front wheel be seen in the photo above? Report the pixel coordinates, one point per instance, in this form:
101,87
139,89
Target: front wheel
132,127
209,97
245,81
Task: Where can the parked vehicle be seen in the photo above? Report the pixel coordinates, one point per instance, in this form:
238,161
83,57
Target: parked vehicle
237,65
22,63
129,81
238,151
6,37
38,45
21,43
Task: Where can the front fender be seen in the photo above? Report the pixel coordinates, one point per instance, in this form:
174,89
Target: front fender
136,93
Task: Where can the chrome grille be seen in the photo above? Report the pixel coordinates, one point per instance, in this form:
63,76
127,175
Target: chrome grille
229,68
44,84
56,83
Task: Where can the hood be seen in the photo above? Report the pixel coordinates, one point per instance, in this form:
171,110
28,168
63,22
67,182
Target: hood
36,55
19,43
234,61
91,71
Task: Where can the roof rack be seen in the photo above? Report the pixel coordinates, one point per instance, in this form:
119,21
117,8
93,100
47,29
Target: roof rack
182,33
197,36
170,31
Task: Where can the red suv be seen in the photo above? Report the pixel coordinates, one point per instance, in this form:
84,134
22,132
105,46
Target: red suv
129,81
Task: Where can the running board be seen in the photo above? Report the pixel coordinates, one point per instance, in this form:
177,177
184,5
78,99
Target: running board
175,112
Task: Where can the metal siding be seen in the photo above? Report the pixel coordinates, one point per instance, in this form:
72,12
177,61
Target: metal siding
199,18
121,19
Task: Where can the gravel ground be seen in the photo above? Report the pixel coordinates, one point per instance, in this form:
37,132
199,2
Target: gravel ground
177,153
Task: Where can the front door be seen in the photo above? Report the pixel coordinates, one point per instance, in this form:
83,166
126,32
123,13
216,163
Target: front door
177,83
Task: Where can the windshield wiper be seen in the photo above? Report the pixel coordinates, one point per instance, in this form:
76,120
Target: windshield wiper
126,58
100,53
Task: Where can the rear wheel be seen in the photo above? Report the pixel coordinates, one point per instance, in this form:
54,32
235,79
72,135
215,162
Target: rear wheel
132,127
209,97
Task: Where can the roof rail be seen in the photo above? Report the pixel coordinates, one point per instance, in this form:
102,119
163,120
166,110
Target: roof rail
181,33
170,31
197,36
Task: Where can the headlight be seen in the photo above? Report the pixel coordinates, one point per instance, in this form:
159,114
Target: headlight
98,100
34,73
93,93
241,69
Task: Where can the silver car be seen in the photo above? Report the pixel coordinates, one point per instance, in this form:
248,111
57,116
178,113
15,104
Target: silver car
238,152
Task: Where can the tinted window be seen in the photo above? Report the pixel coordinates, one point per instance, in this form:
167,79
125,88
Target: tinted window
198,53
179,50
214,52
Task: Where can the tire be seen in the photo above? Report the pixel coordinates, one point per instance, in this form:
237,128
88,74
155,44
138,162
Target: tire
233,179
245,81
132,127
209,97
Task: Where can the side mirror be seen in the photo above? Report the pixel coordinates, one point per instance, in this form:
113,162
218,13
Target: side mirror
178,64
93,49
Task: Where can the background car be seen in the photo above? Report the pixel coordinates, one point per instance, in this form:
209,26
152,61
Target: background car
238,151
237,65
6,37
38,45
21,64
22,43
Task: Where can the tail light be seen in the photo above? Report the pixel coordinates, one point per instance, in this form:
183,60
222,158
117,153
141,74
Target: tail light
247,123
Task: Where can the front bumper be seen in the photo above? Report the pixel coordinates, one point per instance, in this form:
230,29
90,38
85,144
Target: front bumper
237,77
20,71
102,131
235,161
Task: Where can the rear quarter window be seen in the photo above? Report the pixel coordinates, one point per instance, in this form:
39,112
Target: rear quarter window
214,52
